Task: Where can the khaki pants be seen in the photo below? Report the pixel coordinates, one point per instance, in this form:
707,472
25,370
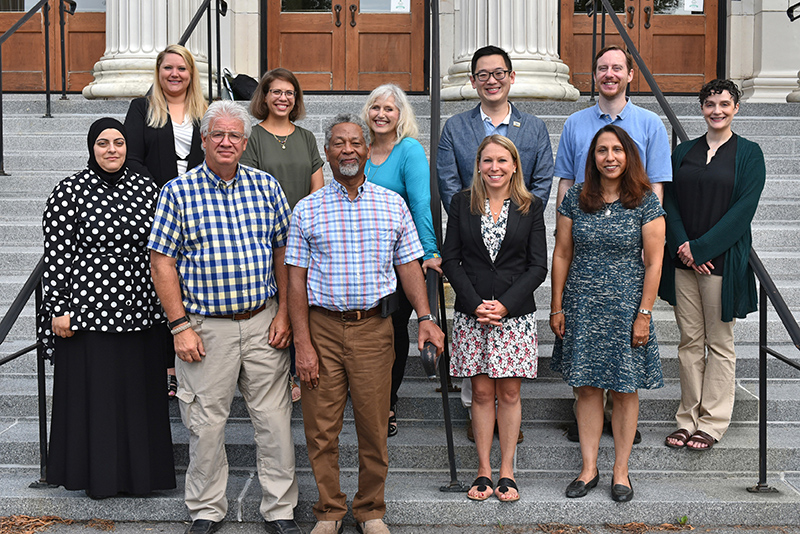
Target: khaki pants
707,381
237,354
357,356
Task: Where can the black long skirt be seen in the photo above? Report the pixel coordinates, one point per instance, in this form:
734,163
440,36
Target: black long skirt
110,430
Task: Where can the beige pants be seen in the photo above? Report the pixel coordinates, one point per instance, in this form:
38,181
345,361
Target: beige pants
707,380
355,356
237,354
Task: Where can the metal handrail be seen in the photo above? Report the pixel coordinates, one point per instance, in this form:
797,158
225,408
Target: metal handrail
205,8
767,286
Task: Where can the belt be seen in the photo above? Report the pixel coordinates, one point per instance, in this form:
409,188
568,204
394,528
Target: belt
349,315
240,316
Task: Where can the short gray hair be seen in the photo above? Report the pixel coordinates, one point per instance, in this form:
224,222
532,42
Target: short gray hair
342,119
229,109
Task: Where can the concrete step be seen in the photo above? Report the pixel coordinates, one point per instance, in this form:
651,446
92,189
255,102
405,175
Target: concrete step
415,498
420,447
543,400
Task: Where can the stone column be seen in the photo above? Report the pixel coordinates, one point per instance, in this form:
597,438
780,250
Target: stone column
794,96
527,30
136,31
776,49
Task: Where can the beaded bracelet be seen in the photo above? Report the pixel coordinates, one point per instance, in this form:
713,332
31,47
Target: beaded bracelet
556,313
177,330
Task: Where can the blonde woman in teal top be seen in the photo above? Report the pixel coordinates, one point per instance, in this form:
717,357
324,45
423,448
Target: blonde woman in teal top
397,162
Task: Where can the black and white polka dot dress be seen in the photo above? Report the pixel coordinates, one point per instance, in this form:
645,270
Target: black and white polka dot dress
96,257
110,429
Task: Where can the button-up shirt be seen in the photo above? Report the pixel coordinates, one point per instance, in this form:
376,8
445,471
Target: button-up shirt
350,246
222,234
644,127
500,129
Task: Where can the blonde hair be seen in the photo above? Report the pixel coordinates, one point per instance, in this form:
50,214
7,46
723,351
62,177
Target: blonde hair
519,193
407,123
194,103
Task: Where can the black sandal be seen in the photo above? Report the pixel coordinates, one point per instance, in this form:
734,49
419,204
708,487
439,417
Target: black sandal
172,387
483,484
393,422
503,486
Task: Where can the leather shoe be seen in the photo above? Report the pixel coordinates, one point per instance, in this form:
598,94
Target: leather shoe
637,438
572,433
328,527
203,526
373,526
470,434
622,493
282,526
579,488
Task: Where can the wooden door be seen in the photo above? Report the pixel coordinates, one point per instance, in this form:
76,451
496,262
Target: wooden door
348,45
24,52
679,47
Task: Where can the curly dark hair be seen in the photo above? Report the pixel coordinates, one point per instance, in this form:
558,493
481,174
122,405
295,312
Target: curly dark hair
715,87
635,184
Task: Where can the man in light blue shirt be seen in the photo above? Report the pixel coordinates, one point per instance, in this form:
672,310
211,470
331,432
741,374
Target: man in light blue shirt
612,71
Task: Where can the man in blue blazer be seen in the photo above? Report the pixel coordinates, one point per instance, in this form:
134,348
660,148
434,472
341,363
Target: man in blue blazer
492,77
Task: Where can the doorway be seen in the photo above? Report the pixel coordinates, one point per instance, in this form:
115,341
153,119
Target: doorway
348,45
678,46
24,52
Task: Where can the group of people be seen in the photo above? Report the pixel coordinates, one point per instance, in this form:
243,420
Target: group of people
202,244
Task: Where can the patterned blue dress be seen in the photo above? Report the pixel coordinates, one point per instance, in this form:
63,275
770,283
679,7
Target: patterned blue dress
602,296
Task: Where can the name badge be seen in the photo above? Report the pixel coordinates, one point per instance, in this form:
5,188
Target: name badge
517,124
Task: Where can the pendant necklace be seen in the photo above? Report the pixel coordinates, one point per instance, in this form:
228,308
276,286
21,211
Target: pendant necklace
608,210
282,143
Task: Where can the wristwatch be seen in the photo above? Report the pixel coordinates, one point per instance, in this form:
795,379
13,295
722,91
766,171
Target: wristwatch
645,312
429,317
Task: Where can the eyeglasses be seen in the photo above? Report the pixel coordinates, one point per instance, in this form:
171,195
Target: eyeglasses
483,76
277,93
217,136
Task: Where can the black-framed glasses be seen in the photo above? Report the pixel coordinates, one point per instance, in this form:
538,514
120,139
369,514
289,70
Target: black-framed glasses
483,76
277,93
217,136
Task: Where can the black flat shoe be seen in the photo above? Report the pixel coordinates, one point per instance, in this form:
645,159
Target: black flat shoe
282,526
579,488
622,493
203,526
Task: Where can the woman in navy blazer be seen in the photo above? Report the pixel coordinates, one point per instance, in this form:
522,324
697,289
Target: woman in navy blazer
495,256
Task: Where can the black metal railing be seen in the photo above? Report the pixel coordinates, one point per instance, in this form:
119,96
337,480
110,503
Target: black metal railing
767,286
65,7
205,9
33,286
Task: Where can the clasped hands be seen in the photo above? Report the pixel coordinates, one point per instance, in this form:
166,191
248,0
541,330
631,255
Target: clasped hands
490,312
685,255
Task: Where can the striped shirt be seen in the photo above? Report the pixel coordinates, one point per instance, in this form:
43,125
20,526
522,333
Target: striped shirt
222,235
350,247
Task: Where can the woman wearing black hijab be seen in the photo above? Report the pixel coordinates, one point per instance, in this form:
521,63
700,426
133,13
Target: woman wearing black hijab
104,328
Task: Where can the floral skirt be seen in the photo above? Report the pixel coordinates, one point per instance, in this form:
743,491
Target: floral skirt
505,351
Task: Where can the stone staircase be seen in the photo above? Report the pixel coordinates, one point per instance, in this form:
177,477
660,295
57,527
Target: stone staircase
708,487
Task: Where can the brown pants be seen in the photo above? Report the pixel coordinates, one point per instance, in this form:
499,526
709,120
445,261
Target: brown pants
357,356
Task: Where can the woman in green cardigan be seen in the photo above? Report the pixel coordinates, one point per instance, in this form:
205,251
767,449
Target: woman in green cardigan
717,180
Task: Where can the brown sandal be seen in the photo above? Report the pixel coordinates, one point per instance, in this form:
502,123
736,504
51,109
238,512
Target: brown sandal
680,435
701,437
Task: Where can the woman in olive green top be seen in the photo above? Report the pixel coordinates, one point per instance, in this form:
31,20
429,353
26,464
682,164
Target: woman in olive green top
278,146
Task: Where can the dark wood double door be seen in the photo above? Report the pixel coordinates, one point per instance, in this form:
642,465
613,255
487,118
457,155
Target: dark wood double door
348,45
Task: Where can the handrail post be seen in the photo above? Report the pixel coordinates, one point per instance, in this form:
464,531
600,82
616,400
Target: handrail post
594,48
219,53
40,372
762,486
210,70
46,14
62,22
2,157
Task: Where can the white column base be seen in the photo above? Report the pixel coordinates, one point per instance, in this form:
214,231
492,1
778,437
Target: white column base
764,89
794,96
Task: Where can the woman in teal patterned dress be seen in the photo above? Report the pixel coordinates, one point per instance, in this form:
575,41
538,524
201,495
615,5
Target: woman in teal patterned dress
606,269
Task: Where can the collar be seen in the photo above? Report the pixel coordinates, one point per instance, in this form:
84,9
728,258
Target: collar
506,120
621,115
342,191
216,181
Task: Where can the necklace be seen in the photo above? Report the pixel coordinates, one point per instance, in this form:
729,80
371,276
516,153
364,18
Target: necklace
608,209
282,143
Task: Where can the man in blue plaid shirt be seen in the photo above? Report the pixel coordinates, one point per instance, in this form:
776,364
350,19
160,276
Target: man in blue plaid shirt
344,244
217,247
